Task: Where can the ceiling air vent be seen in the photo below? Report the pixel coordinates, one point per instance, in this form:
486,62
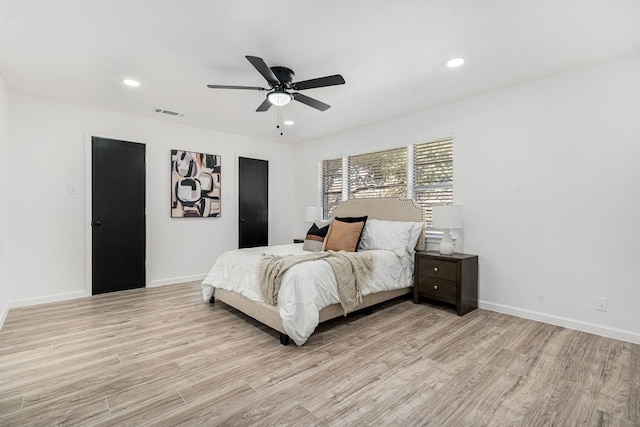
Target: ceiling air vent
168,112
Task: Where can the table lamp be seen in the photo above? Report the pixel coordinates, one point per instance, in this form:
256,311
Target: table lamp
312,213
447,217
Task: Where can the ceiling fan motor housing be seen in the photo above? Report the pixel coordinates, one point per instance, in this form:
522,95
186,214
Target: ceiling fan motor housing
284,74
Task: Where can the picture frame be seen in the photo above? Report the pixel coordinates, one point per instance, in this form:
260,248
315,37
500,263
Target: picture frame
195,184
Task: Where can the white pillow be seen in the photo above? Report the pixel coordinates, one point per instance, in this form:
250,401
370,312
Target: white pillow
399,237
414,235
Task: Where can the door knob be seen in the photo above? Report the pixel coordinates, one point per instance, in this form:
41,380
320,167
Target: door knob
97,223
242,220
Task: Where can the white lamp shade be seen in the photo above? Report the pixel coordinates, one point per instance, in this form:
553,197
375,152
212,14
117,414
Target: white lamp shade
279,98
448,216
312,213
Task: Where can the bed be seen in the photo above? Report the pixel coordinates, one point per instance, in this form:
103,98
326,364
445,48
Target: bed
300,306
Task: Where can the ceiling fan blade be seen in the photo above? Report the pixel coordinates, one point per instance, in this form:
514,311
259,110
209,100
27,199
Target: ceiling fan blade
263,69
310,101
266,104
235,87
334,80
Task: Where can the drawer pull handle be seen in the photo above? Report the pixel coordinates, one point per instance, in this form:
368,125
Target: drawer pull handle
435,269
435,286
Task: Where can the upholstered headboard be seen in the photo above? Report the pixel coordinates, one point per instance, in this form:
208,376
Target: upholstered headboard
385,208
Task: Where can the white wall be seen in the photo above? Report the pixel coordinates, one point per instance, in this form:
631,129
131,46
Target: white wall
48,225
548,174
4,200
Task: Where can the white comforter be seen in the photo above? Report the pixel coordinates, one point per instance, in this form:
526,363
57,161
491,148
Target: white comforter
299,303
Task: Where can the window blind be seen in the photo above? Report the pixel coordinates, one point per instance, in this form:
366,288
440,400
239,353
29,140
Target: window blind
379,174
331,185
422,172
433,175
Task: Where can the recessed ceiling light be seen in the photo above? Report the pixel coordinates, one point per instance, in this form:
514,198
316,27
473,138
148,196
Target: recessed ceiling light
289,122
131,82
456,62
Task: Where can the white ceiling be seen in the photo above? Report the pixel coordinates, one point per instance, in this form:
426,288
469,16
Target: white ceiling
392,54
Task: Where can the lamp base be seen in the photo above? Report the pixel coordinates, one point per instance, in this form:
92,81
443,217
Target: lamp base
446,244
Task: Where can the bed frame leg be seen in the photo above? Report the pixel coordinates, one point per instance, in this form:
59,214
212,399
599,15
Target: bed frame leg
284,339
212,300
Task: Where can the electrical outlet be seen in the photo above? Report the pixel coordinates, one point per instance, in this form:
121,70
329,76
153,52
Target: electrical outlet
601,304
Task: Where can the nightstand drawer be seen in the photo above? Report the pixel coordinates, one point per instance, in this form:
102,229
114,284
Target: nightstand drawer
443,290
438,269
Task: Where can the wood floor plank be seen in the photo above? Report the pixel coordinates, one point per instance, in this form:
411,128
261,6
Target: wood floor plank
72,413
633,399
211,408
151,409
11,403
616,386
162,356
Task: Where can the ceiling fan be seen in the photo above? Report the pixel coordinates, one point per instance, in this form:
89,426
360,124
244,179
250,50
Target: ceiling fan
280,86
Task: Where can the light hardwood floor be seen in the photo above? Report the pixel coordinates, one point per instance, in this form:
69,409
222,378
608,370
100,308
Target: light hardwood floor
162,356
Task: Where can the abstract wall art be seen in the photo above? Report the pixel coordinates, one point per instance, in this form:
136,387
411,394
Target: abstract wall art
195,184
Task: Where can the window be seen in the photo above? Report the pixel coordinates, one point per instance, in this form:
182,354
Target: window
380,174
330,184
433,175
422,172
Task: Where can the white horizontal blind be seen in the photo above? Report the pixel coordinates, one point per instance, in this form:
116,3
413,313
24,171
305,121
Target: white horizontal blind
426,177
433,175
379,174
331,185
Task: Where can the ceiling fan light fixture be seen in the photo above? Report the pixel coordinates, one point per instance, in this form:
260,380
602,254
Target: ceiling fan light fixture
279,98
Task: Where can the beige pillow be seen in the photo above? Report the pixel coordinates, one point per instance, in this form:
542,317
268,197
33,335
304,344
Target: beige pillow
343,236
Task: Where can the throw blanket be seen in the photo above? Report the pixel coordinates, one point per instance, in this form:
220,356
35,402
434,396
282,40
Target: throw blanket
352,270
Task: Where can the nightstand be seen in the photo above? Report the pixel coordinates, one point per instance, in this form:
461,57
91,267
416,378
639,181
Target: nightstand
448,278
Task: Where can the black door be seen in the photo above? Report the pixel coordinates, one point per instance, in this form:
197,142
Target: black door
253,190
118,210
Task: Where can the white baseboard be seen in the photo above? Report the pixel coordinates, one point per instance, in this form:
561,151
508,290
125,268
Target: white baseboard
47,299
592,328
174,280
3,315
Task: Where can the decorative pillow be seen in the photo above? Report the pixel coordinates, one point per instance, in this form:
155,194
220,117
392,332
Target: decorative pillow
400,237
352,218
314,239
344,236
